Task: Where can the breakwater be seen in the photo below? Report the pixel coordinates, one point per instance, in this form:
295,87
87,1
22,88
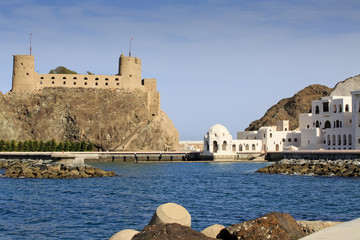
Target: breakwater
314,155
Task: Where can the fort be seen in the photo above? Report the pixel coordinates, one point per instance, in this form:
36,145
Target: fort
26,80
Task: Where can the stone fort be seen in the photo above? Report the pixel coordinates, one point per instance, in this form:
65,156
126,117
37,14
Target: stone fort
26,80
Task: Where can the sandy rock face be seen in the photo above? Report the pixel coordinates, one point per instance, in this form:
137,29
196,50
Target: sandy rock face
345,87
271,226
171,213
111,119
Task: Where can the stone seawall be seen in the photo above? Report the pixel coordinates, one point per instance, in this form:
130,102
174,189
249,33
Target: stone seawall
341,168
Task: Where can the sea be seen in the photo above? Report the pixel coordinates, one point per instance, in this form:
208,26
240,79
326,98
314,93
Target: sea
212,192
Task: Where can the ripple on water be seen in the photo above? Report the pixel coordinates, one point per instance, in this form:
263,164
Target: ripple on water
225,193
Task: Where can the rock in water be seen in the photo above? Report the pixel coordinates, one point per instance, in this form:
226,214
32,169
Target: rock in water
169,231
171,213
272,226
126,234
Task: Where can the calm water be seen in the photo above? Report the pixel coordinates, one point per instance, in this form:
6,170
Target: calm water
223,193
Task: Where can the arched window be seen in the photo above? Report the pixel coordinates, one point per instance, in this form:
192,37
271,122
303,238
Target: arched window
350,140
247,147
116,79
317,124
85,78
344,139
117,84
328,139
42,78
64,77
96,83
207,145
340,108
74,83
283,139
106,83
333,140
346,107
289,140
337,123
335,108
253,147
340,123
277,148
317,110
85,83
224,146
74,78
339,140
106,79
52,77
327,124
64,82
215,146
240,148
96,78
234,148
295,140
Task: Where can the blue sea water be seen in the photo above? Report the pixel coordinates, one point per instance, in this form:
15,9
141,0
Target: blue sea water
222,193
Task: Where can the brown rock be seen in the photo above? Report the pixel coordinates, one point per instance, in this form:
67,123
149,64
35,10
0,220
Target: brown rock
271,226
170,231
290,108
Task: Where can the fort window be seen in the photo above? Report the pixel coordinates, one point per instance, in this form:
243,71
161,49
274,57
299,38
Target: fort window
142,82
64,77
327,124
27,74
52,82
85,78
325,107
106,83
74,83
224,146
96,84
40,82
74,78
116,79
85,83
215,147
96,78
117,84
106,79
64,82
317,110
271,135
52,77
42,78
346,107
350,140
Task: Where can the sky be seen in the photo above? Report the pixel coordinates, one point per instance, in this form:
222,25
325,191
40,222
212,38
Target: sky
215,61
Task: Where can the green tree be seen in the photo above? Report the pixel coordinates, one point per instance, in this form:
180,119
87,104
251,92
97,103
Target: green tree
41,147
25,146
77,146
62,70
13,146
83,146
90,147
60,147
35,146
67,146
52,145
2,145
7,147
19,147
89,73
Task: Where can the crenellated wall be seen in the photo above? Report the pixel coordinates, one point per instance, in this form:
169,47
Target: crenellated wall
26,80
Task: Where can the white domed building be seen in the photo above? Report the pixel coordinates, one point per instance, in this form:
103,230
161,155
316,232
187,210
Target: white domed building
217,140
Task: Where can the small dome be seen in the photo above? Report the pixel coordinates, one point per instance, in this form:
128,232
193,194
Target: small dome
218,128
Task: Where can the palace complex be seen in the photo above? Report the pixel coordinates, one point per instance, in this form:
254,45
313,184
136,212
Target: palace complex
26,80
333,124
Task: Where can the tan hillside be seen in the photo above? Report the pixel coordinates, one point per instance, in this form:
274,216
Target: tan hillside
113,119
290,108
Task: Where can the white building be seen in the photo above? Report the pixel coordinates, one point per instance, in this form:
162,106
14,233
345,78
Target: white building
334,124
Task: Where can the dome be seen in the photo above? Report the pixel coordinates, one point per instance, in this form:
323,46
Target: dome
218,128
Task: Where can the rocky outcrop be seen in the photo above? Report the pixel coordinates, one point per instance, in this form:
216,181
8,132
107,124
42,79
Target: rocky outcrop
113,119
270,226
340,168
50,169
169,231
344,88
290,108
310,227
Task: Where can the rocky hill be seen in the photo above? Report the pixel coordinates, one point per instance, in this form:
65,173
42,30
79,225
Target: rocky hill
111,119
290,108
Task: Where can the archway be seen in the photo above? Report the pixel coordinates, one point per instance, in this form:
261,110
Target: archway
327,124
215,147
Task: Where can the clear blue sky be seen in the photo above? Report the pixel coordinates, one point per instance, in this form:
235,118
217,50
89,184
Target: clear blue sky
216,61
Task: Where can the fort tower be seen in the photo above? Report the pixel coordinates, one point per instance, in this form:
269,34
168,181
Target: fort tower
23,79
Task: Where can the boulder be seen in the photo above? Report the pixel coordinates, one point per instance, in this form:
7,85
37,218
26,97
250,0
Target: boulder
171,213
310,227
169,231
272,226
126,234
213,230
